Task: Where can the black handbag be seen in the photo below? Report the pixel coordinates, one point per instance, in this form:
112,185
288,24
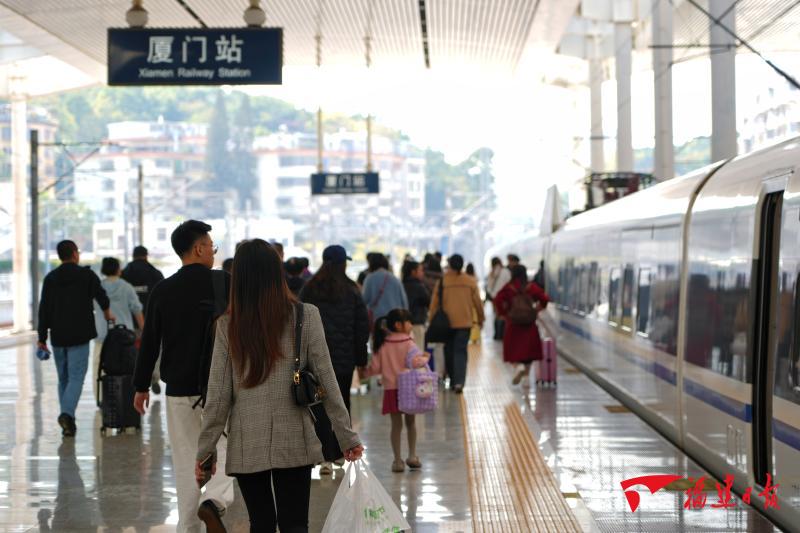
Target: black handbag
439,328
308,393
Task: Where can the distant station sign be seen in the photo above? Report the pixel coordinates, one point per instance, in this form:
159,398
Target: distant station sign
345,183
173,56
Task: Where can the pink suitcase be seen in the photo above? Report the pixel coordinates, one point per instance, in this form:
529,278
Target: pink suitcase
547,367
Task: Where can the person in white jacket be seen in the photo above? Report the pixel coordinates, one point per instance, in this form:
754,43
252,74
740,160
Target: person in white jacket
498,277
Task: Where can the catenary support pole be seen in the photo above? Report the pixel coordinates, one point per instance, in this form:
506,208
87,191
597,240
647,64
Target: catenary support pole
598,163
664,156
623,44
140,202
34,188
723,80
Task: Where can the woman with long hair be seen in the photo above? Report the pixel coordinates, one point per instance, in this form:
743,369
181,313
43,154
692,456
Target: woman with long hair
344,317
271,439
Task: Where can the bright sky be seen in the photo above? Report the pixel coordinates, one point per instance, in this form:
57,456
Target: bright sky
533,127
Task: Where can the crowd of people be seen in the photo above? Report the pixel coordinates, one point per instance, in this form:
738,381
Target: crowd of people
233,346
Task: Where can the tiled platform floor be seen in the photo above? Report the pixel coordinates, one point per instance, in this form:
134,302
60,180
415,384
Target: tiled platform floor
124,483
593,443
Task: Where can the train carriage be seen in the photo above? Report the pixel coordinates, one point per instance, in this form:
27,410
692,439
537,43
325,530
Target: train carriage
682,300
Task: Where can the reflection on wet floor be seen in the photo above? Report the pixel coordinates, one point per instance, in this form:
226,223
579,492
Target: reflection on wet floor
593,448
125,482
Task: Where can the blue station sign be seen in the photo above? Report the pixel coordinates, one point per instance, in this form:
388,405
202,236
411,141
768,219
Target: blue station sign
182,56
345,183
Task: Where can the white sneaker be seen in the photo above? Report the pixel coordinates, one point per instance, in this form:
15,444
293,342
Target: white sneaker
326,469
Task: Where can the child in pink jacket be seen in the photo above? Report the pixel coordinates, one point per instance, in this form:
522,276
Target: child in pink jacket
392,348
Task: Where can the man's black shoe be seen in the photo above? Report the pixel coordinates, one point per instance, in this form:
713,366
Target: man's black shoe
209,514
67,424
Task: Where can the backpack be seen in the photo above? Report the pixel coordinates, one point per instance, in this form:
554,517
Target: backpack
219,307
118,355
521,311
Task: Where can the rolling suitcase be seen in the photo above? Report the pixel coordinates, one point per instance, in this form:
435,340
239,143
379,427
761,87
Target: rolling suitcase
546,369
117,403
116,390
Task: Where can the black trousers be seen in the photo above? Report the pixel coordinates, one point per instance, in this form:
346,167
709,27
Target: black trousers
499,328
345,379
292,492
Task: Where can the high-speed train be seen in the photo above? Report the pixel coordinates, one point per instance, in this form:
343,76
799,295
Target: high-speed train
683,300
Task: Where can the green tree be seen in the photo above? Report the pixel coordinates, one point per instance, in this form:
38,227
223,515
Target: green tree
463,184
219,163
244,178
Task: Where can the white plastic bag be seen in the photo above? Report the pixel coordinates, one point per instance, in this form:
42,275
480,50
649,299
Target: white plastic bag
362,505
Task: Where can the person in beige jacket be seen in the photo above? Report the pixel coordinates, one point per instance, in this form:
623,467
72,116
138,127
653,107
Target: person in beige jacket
461,298
271,440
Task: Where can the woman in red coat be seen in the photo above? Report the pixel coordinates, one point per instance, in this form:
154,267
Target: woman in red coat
521,344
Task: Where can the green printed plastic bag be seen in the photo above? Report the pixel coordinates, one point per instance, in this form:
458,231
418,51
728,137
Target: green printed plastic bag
362,505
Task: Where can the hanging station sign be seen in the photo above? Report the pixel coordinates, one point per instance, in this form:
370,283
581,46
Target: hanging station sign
179,56
345,183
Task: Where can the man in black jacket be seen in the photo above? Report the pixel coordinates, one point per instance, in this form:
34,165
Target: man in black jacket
177,324
66,310
143,276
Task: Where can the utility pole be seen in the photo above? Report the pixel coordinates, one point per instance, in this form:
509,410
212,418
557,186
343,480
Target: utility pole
140,188
34,188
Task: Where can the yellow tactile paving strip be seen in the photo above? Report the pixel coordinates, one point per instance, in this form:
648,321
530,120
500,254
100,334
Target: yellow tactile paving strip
511,487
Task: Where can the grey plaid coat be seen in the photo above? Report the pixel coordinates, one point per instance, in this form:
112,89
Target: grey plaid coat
266,428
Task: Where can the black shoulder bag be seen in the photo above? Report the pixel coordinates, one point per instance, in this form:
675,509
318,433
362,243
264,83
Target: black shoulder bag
439,328
309,393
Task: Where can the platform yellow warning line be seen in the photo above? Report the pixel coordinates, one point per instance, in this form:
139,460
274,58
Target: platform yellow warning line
511,487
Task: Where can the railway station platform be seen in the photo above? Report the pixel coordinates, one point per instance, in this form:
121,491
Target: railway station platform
496,459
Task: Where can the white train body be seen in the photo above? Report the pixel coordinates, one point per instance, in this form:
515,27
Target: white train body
683,301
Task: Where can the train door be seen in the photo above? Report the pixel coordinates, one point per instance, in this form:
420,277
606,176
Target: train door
776,440
765,312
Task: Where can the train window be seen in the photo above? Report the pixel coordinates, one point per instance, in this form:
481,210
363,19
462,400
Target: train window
787,347
664,297
583,290
627,298
591,290
643,302
602,294
613,296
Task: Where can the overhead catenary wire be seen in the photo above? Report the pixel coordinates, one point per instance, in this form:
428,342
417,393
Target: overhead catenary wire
788,77
192,13
721,49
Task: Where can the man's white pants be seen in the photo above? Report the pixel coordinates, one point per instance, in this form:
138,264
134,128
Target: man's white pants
184,425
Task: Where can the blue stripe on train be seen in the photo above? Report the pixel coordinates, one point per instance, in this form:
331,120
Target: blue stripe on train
781,431
731,406
657,369
786,434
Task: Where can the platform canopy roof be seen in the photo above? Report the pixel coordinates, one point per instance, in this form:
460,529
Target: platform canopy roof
769,26
496,33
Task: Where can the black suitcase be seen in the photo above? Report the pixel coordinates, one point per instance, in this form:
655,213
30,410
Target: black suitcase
117,403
